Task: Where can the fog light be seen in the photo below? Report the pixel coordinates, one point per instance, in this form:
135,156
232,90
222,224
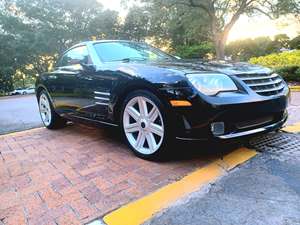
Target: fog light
217,128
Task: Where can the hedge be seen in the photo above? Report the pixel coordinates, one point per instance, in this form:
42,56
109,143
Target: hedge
287,64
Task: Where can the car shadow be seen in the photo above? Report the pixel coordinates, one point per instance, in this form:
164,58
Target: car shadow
178,150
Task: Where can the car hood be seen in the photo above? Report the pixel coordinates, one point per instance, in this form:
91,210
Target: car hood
176,70
226,67
194,66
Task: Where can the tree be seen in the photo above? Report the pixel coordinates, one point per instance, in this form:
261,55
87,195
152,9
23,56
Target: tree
136,25
295,43
222,15
243,50
288,7
40,30
281,41
175,29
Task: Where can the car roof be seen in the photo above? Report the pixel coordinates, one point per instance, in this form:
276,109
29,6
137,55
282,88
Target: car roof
102,41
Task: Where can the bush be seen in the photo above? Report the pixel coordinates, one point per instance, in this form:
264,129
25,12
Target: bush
194,51
287,64
243,50
289,73
278,60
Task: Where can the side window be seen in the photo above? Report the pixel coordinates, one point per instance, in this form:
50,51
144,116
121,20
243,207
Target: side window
75,56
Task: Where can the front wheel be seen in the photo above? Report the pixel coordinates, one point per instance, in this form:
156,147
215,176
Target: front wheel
50,118
144,124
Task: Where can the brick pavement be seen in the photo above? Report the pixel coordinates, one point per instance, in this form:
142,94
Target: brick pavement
77,174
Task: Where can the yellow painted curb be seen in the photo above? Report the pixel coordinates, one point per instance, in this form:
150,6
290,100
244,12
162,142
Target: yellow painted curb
292,128
139,211
294,88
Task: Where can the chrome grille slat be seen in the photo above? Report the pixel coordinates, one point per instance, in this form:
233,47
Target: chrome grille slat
273,89
263,84
257,77
277,81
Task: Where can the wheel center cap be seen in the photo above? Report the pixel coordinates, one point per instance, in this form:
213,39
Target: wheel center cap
143,124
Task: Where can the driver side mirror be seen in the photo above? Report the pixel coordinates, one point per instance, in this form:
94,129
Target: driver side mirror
87,68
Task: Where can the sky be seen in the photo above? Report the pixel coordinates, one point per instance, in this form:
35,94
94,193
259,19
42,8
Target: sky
245,28
263,26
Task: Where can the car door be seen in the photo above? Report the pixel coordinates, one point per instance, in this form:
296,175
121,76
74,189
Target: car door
63,81
81,91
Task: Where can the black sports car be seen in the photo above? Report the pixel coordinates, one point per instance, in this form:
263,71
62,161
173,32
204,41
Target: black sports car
155,97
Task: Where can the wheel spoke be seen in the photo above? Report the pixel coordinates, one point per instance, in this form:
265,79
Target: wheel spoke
140,140
156,129
45,109
46,117
153,114
133,113
151,142
142,106
131,128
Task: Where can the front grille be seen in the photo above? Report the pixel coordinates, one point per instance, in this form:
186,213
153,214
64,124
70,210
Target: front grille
254,123
263,84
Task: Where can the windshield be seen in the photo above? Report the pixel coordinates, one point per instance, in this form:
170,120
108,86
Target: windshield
128,51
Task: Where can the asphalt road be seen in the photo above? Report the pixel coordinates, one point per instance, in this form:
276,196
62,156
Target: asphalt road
19,113
264,191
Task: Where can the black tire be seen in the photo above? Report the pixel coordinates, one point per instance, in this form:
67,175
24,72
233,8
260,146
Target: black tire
162,151
56,120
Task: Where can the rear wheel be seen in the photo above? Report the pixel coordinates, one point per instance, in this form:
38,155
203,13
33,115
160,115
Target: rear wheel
144,124
50,118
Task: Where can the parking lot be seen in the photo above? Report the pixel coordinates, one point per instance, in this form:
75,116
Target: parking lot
19,112
79,174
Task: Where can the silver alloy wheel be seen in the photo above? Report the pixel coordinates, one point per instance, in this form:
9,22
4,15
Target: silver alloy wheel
45,109
143,125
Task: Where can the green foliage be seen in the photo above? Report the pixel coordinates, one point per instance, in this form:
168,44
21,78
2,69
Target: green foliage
194,51
33,33
244,49
286,64
277,60
295,43
136,25
6,83
289,73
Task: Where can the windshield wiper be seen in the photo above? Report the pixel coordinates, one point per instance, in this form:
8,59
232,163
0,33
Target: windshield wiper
131,59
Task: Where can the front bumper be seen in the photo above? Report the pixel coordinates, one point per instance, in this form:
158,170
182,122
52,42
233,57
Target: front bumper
241,116
264,129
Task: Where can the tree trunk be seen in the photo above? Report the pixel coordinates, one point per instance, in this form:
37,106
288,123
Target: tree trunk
219,38
220,50
220,43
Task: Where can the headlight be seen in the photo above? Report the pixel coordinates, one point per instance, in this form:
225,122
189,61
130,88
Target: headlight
212,83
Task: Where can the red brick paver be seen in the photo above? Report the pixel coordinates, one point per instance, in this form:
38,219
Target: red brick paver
74,175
